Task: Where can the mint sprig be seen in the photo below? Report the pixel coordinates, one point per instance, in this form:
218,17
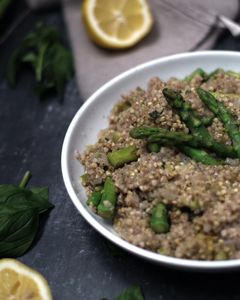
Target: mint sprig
43,51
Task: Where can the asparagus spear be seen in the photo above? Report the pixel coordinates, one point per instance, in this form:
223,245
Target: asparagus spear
199,72
122,156
233,74
94,198
159,221
207,121
200,155
213,73
143,132
157,135
153,147
191,118
206,76
196,154
225,95
224,115
108,201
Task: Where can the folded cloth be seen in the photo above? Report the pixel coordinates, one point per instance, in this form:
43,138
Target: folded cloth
175,30
36,4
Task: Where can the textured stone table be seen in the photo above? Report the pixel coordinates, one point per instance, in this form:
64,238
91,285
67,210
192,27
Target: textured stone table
73,256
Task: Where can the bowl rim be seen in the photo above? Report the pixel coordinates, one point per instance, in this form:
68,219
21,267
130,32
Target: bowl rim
146,254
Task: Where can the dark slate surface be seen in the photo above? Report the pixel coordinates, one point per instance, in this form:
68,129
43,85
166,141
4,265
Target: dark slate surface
73,256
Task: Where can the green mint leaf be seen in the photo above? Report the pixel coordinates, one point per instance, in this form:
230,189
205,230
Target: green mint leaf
132,293
40,61
44,89
58,69
18,227
30,58
62,67
15,62
13,67
43,51
3,6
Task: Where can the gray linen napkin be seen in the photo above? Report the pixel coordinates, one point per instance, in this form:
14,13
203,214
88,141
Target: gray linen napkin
179,26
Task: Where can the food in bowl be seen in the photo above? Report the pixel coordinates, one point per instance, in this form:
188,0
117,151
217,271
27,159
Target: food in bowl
166,170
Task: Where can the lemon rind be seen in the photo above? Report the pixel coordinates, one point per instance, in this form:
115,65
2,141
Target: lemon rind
22,269
103,39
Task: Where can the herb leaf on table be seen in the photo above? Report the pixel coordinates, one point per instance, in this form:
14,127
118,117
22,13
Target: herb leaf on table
132,293
18,227
35,197
19,216
3,6
43,51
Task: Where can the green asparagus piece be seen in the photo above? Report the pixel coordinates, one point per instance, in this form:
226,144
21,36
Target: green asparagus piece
213,73
199,72
143,132
159,221
84,178
153,147
157,135
191,118
94,198
122,106
224,115
233,74
200,156
122,156
106,207
221,255
207,121
196,154
225,95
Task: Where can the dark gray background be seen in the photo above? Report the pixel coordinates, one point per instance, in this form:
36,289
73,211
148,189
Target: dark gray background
69,253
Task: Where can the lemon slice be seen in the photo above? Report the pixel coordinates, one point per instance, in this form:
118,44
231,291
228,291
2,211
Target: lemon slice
117,23
19,282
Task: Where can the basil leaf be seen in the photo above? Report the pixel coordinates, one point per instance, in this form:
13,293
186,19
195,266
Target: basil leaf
39,197
18,227
19,216
35,197
8,191
132,293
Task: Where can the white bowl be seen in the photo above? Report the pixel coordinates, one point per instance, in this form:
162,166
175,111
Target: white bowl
93,116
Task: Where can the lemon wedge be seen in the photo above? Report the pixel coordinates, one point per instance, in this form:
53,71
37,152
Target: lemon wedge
19,282
117,23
